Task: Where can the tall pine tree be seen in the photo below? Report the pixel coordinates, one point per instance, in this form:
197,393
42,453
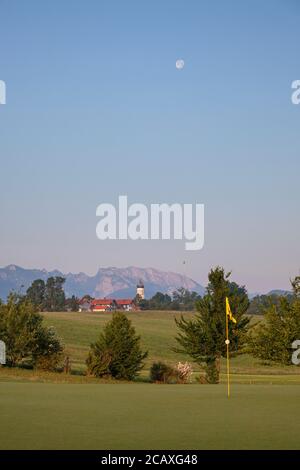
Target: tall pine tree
117,353
203,337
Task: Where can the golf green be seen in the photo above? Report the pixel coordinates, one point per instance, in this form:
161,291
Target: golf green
147,416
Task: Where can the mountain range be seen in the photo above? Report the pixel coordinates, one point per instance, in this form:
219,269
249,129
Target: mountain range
107,282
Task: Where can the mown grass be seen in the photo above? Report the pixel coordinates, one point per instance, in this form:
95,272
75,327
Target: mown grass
147,416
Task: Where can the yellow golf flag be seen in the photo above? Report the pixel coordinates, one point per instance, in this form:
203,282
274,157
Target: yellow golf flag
228,311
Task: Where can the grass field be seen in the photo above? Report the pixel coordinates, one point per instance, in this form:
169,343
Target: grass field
146,416
79,330
157,330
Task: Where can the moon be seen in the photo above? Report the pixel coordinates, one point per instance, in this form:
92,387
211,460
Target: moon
179,64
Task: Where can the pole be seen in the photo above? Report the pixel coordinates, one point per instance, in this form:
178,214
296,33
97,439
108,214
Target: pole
227,348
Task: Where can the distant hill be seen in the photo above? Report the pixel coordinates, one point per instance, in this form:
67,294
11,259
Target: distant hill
280,292
114,282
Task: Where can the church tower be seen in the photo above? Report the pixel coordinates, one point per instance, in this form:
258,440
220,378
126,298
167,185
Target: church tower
140,289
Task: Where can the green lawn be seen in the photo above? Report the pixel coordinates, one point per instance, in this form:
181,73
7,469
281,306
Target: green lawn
145,416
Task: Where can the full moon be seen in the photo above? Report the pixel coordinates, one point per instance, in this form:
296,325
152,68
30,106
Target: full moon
179,64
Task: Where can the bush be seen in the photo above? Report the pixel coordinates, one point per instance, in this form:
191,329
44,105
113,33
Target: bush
117,353
162,373
48,352
271,340
48,362
26,339
184,371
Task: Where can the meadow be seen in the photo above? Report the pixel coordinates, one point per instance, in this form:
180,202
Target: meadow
157,330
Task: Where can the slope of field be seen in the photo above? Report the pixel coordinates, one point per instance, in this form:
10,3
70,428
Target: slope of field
158,331
146,416
79,330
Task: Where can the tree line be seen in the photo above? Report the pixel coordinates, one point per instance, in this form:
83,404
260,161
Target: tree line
50,296
181,299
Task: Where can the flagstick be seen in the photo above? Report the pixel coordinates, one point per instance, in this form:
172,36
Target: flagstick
227,347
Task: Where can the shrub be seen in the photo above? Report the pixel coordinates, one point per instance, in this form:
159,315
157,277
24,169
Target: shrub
26,339
271,340
117,353
48,362
184,371
48,353
162,373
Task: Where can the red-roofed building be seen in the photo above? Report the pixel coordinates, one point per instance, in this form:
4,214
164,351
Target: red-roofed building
88,304
103,305
125,304
84,304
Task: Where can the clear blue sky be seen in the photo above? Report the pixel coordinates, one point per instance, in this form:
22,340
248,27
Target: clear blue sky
96,108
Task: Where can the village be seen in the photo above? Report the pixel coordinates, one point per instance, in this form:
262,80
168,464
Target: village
89,304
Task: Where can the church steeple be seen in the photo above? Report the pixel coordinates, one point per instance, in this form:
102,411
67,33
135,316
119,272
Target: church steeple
140,289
